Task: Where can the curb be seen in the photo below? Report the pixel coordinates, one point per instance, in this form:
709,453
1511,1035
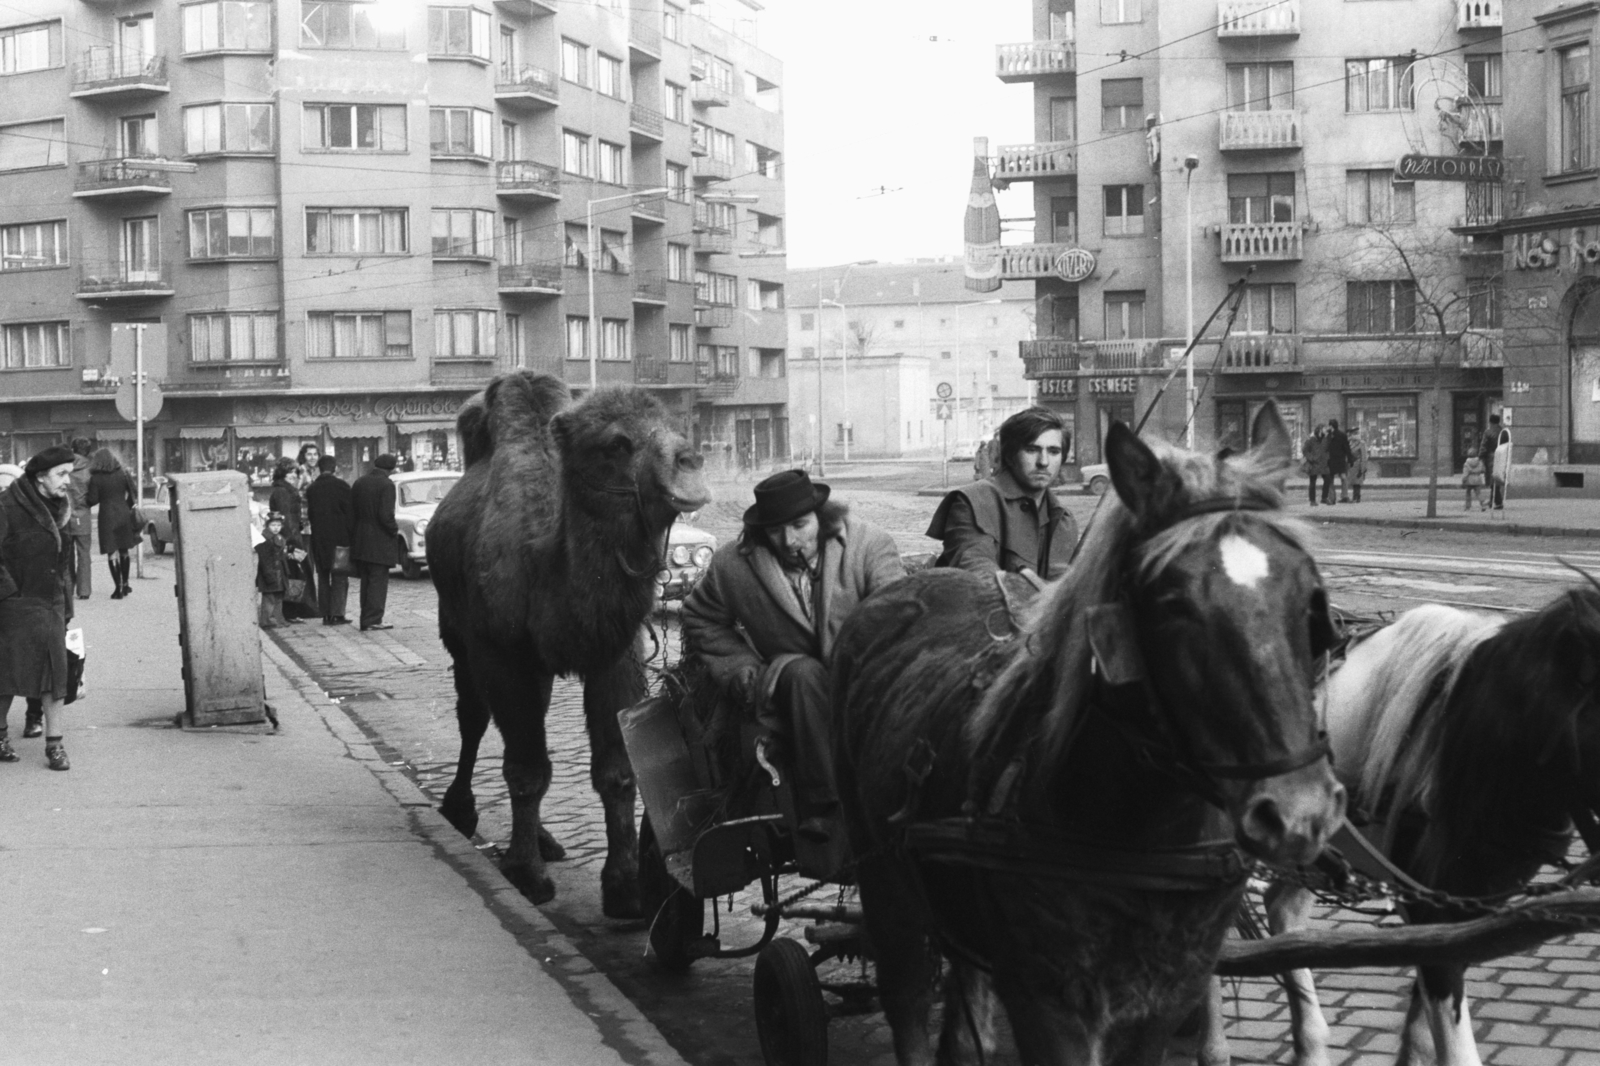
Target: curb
1433,524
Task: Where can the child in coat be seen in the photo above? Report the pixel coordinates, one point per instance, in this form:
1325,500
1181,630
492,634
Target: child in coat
1472,478
272,573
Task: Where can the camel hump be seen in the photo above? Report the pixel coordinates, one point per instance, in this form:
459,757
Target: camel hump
515,407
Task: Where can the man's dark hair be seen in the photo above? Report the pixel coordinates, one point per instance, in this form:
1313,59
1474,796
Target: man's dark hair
830,520
1024,427
1494,418
327,464
83,446
1333,423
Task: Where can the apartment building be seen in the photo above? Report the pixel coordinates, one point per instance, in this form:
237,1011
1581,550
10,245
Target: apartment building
900,344
339,218
1258,140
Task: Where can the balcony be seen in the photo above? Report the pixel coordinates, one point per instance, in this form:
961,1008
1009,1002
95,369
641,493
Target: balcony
708,95
119,179
1033,59
649,371
1483,347
527,8
714,316
708,169
1027,162
1262,242
1258,18
463,372
103,74
1479,14
644,38
527,88
1134,354
523,179
530,279
1019,262
1261,352
1048,357
1486,205
650,289
712,240
1485,123
651,210
646,125
1260,131
117,280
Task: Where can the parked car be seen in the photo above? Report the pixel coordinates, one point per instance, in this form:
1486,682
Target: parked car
1096,478
417,495
158,517
689,551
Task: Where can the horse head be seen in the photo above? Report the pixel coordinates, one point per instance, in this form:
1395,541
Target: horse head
621,450
1230,616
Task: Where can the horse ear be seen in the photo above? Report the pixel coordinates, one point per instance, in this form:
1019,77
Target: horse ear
1135,470
1269,437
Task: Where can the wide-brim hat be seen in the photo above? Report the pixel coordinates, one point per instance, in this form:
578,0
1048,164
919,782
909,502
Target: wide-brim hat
783,497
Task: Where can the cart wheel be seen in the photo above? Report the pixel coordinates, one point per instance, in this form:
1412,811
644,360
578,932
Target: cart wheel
676,917
791,1018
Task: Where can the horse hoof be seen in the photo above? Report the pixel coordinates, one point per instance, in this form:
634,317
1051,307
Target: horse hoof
550,850
621,899
465,820
538,888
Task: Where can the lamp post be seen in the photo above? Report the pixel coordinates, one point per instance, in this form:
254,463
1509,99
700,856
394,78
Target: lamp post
959,308
594,250
844,366
1189,165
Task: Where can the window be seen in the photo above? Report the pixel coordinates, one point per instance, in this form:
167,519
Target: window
461,131
769,232
1063,118
678,349
1379,85
1115,11
1576,120
1259,199
1381,306
614,339
613,257
358,335
678,183
233,232
24,345
1121,104
763,295
574,61
511,240
577,337
459,31
720,73
1485,302
358,127
1260,86
575,154
612,171
721,145
1388,424
1064,219
1124,210
808,353
575,248
761,160
228,26
768,362
514,338
725,360
25,48
33,245
463,232
234,337
808,321
1124,314
345,24
462,334
136,136
356,231
1266,309
1375,198
712,288
212,128
608,75
714,216
677,103
1484,76
678,262
33,144
672,22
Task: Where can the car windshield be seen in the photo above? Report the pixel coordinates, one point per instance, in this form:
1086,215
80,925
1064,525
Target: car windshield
430,490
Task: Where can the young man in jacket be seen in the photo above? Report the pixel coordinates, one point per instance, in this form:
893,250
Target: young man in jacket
767,613
373,542
330,507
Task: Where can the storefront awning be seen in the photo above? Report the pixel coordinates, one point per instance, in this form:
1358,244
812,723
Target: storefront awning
115,432
265,432
424,427
356,430
200,432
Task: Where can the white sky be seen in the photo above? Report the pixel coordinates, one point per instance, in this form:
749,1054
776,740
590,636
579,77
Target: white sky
869,100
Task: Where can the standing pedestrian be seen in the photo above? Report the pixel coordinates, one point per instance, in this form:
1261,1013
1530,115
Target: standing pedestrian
373,545
272,572
111,487
1358,465
1472,479
331,510
1497,467
82,447
1338,463
1314,460
285,499
37,558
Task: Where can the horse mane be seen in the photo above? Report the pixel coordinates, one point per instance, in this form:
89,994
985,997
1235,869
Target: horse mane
1052,670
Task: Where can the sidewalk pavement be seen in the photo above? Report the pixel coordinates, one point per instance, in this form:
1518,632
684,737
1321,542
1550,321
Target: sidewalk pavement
1532,517
234,895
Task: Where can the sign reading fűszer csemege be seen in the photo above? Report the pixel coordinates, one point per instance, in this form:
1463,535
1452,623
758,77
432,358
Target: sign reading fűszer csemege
1450,168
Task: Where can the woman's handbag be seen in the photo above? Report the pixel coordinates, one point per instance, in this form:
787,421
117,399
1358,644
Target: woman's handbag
294,589
341,561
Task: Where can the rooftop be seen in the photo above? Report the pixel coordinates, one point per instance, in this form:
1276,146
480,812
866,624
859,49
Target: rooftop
924,282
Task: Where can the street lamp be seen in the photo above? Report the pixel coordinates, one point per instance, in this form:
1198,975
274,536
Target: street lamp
958,309
844,367
594,251
1189,164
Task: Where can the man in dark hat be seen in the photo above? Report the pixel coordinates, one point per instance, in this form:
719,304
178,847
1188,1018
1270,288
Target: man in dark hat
767,613
374,543
331,509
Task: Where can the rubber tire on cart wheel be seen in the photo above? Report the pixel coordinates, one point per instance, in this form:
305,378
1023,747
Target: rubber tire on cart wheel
676,916
791,1018
410,569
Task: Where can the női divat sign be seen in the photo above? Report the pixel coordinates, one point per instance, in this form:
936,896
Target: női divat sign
1450,168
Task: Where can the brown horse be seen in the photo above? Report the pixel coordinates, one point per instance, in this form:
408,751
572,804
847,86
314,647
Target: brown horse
1056,804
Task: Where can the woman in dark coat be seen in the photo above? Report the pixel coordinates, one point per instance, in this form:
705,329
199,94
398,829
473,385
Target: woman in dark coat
286,500
37,577
111,487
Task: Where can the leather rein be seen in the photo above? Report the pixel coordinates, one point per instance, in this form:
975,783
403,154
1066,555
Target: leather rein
631,488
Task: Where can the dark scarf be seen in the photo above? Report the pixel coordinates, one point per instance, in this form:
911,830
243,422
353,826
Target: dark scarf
26,492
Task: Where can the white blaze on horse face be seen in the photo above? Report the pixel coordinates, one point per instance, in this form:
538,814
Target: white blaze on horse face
1243,562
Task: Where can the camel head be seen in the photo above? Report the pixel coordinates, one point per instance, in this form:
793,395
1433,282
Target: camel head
619,451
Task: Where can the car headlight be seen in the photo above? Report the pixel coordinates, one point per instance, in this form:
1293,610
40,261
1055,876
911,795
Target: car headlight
680,555
702,555
664,577
422,525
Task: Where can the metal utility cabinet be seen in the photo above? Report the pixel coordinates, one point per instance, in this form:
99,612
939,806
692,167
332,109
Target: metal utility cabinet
217,626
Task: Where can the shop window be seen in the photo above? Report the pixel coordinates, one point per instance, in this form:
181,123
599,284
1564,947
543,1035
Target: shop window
1296,415
1388,424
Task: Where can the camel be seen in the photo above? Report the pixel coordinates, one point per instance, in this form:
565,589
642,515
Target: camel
545,557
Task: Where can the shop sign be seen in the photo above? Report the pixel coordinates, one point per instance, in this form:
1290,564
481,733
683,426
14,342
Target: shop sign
1075,264
1113,385
1058,387
1380,380
344,409
1568,251
1450,168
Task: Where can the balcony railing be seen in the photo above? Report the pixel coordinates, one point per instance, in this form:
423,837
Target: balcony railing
1047,159
646,121
1048,357
707,94
1134,354
1485,122
1483,347
1018,262
1480,14
713,241
1258,18
525,178
650,208
1255,242
649,289
644,35
103,71
1033,59
119,179
1486,204
716,316
649,371
712,169
119,280
534,279
1261,351
527,86
1244,131
462,371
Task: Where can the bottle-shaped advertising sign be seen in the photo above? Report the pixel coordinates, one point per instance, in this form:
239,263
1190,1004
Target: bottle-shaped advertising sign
982,225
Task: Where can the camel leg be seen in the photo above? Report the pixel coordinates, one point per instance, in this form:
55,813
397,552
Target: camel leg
906,964
1289,908
605,693
969,1008
520,702
460,806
